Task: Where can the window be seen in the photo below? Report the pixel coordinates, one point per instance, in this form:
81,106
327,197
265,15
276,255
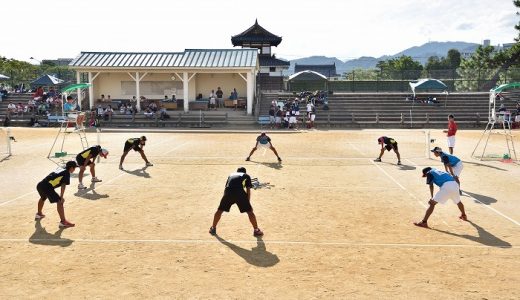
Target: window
272,69
266,50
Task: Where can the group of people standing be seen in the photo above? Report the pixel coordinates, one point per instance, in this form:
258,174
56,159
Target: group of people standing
216,99
287,114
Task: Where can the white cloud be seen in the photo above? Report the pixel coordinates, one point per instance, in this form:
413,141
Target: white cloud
339,28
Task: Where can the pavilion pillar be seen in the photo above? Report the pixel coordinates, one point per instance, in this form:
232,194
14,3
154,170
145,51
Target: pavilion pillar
90,90
250,92
78,91
138,91
185,87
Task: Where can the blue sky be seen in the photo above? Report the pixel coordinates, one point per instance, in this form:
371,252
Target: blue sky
345,29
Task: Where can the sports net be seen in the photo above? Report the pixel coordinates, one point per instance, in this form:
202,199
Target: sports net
411,143
5,143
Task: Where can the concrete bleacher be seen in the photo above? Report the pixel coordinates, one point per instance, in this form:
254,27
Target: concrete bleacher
391,110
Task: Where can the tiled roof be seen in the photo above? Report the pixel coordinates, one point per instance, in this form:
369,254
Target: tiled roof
256,33
269,61
190,58
327,70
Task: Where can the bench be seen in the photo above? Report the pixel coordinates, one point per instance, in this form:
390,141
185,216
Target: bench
198,105
263,120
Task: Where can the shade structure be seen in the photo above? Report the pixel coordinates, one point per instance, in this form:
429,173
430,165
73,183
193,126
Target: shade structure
47,80
3,77
74,87
506,86
428,84
307,75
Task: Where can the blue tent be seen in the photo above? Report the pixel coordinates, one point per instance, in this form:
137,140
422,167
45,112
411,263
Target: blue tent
47,80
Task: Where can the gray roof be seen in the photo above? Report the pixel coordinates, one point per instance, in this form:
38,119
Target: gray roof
190,58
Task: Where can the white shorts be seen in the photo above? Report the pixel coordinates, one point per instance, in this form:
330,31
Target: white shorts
457,169
451,141
292,120
278,120
271,119
297,112
260,145
449,190
313,116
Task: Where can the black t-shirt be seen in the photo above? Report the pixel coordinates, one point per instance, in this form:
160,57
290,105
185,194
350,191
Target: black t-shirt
238,180
136,142
271,112
388,140
92,151
56,179
219,93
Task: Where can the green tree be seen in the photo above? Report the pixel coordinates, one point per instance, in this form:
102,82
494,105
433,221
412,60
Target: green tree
476,69
453,59
362,74
401,68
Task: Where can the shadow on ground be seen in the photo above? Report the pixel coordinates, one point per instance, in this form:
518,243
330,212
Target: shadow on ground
257,256
139,172
42,237
93,195
273,165
484,237
484,199
483,165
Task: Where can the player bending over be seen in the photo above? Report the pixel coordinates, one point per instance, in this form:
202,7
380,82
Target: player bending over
137,144
86,158
234,194
448,189
263,141
389,144
452,164
45,188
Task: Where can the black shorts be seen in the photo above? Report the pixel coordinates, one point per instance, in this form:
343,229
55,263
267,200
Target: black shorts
47,191
232,196
389,147
129,146
80,160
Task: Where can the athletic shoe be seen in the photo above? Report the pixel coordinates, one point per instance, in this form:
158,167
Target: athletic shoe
377,160
149,164
279,159
66,224
399,163
81,186
95,179
463,217
39,216
258,232
248,159
120,167
421,224
213,230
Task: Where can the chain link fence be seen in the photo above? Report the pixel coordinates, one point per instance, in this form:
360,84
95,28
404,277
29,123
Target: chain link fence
377,80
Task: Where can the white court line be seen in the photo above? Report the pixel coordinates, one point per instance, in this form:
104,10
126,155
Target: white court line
274,242
98,185
14,199
391,178
175,148
491,208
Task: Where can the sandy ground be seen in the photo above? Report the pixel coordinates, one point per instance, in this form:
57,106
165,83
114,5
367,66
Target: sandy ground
336,224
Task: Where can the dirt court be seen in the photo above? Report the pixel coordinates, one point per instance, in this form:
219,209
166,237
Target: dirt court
337,225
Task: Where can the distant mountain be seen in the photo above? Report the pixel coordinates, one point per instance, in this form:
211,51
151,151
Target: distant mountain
419,53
